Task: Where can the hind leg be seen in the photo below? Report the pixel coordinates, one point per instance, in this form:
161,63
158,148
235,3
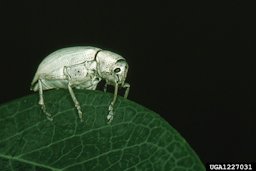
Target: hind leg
41,101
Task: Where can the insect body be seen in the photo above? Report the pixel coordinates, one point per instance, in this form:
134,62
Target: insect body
80,67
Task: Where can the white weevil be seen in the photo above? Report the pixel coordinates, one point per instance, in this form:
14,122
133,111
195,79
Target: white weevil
80,67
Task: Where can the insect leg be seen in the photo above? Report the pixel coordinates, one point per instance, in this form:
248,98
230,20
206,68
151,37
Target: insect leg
41,101
111,106
77,105
105,87
127,86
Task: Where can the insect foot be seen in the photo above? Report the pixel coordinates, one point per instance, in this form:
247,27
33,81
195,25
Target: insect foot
48,115
81,67
110,115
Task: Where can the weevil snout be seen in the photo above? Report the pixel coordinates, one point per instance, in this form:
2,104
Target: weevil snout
120,71
112,67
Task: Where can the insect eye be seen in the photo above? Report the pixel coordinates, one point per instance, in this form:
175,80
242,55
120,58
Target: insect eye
117,70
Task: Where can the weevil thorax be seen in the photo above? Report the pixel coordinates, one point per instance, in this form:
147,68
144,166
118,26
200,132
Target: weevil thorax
111,67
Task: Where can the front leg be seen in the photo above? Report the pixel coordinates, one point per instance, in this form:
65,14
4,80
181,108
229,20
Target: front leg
110,115
127,86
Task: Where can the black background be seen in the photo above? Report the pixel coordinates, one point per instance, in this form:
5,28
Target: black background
191,62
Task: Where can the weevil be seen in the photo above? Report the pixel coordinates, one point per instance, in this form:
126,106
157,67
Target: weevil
81,67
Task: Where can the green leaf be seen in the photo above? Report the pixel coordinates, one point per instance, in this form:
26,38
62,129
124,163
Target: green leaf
137,138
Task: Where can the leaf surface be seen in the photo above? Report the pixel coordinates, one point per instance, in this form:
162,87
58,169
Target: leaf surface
137,138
